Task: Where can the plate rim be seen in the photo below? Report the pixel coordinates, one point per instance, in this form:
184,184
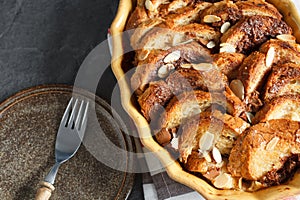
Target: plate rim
127,183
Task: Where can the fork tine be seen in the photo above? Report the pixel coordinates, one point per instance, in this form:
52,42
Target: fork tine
65,117
84,119
79,115
72,116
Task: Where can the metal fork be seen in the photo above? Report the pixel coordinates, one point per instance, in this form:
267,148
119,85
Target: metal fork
68,140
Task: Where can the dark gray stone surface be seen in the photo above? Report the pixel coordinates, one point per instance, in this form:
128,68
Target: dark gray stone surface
44,42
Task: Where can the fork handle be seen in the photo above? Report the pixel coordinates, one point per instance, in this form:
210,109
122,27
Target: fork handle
45,191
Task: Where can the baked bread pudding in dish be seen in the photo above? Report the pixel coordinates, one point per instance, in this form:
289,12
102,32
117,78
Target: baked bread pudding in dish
217,81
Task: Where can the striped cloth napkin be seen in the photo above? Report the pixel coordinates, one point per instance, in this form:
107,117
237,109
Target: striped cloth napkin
157,185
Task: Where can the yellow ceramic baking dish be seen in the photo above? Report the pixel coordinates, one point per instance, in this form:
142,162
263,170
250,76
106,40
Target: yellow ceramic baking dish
173,168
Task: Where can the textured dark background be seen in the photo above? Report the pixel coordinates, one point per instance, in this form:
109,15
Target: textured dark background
44,42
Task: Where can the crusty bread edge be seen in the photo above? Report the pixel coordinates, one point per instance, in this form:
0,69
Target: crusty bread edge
174,170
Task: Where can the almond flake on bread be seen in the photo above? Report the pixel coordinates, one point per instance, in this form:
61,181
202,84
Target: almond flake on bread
164,37
250,159
147,70
284,51
185,15
258,7
250,32
158,93
223,127
252,73
224,10
283,80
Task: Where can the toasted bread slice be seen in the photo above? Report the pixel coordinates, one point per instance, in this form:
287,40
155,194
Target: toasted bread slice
192,103
263,149
163,37
184,106
148,69
224,127
188,104
185,79
283,80
282,107
174,6
212,161
284,51
154,98
227,11
234,105
258,7
138,16
160,92
153,7
197,163
186,15
165,8
251,32
217,173
228,63
253,72
199,32
144,27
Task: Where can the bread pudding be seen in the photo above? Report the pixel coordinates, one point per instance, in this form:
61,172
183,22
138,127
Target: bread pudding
219,83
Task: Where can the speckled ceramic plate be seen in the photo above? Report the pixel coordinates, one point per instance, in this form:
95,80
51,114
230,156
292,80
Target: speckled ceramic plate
28,125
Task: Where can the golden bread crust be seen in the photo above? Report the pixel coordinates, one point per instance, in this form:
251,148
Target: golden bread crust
258,7
228,63
282,107
263,148
147,69
283,80
250,32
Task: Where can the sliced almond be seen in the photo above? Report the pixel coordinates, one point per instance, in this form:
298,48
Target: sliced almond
220,165
206,141
186,66
178,39
237,88
206,156
223,181
217,155
211,18
225,44
165,70
270,56
249,116
184,42
143,54
286,38
149,5
240,183
298,138
271,145
211,44
172,57
226,47
255,185
203,66
225,27
174,143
